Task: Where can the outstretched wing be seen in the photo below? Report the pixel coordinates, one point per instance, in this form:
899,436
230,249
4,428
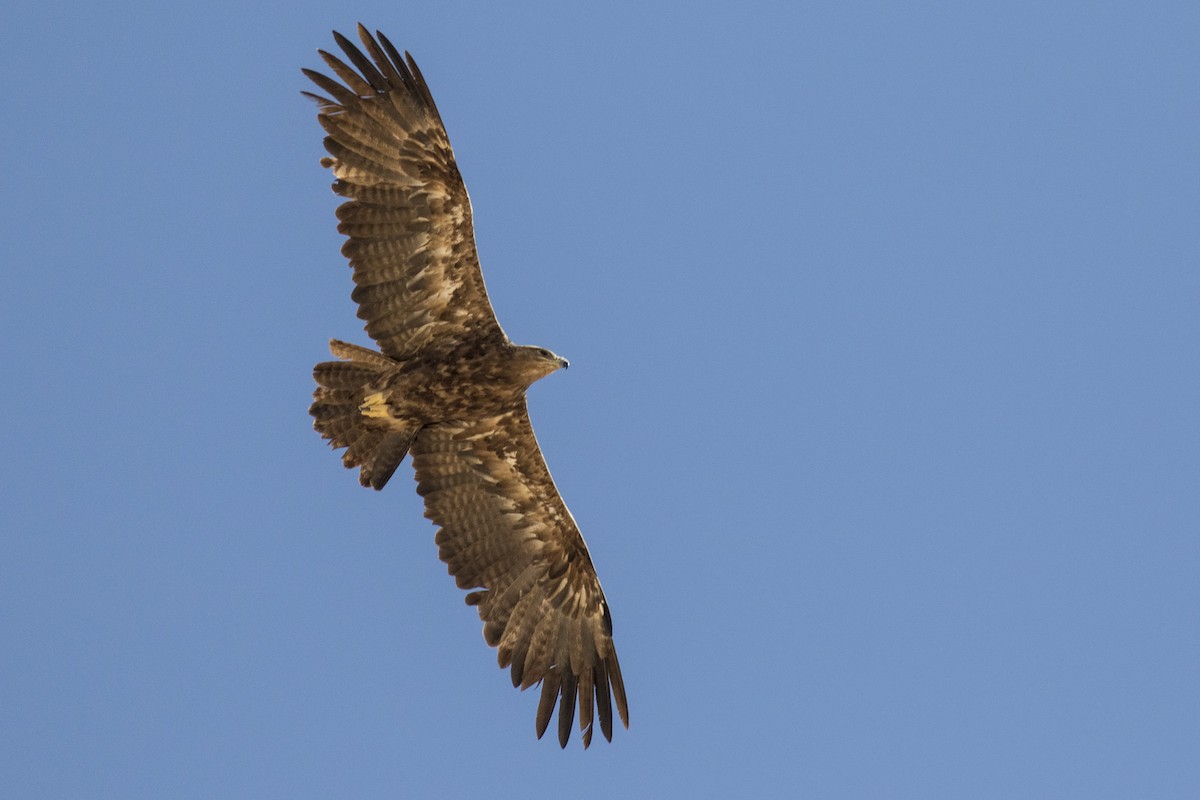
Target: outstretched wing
412,247
506,533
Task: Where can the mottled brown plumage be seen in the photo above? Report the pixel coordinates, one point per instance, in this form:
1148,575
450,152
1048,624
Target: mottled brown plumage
449,387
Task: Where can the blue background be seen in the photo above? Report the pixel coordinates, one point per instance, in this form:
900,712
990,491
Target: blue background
882,422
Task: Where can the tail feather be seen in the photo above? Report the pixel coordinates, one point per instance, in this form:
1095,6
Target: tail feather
386,456
335,376
365,355
341,386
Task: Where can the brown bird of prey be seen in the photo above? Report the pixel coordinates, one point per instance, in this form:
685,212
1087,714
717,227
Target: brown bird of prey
449,387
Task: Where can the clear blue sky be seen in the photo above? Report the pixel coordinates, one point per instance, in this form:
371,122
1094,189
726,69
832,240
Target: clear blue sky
883,421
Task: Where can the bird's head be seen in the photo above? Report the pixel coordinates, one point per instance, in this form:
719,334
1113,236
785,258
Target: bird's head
537,362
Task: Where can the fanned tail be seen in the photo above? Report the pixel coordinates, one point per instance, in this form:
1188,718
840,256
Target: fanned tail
337,413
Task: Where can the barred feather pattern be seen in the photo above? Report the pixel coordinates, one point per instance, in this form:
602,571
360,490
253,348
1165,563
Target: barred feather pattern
407,215
506,534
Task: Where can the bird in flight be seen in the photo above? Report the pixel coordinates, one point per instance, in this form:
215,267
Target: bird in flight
448,387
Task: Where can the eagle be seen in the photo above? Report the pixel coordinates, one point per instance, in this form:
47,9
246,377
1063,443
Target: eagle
448,387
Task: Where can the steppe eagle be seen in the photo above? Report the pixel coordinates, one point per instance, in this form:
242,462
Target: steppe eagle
449,387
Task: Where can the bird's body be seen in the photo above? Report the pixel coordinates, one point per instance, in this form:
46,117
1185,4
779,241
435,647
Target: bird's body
467,383
449,387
